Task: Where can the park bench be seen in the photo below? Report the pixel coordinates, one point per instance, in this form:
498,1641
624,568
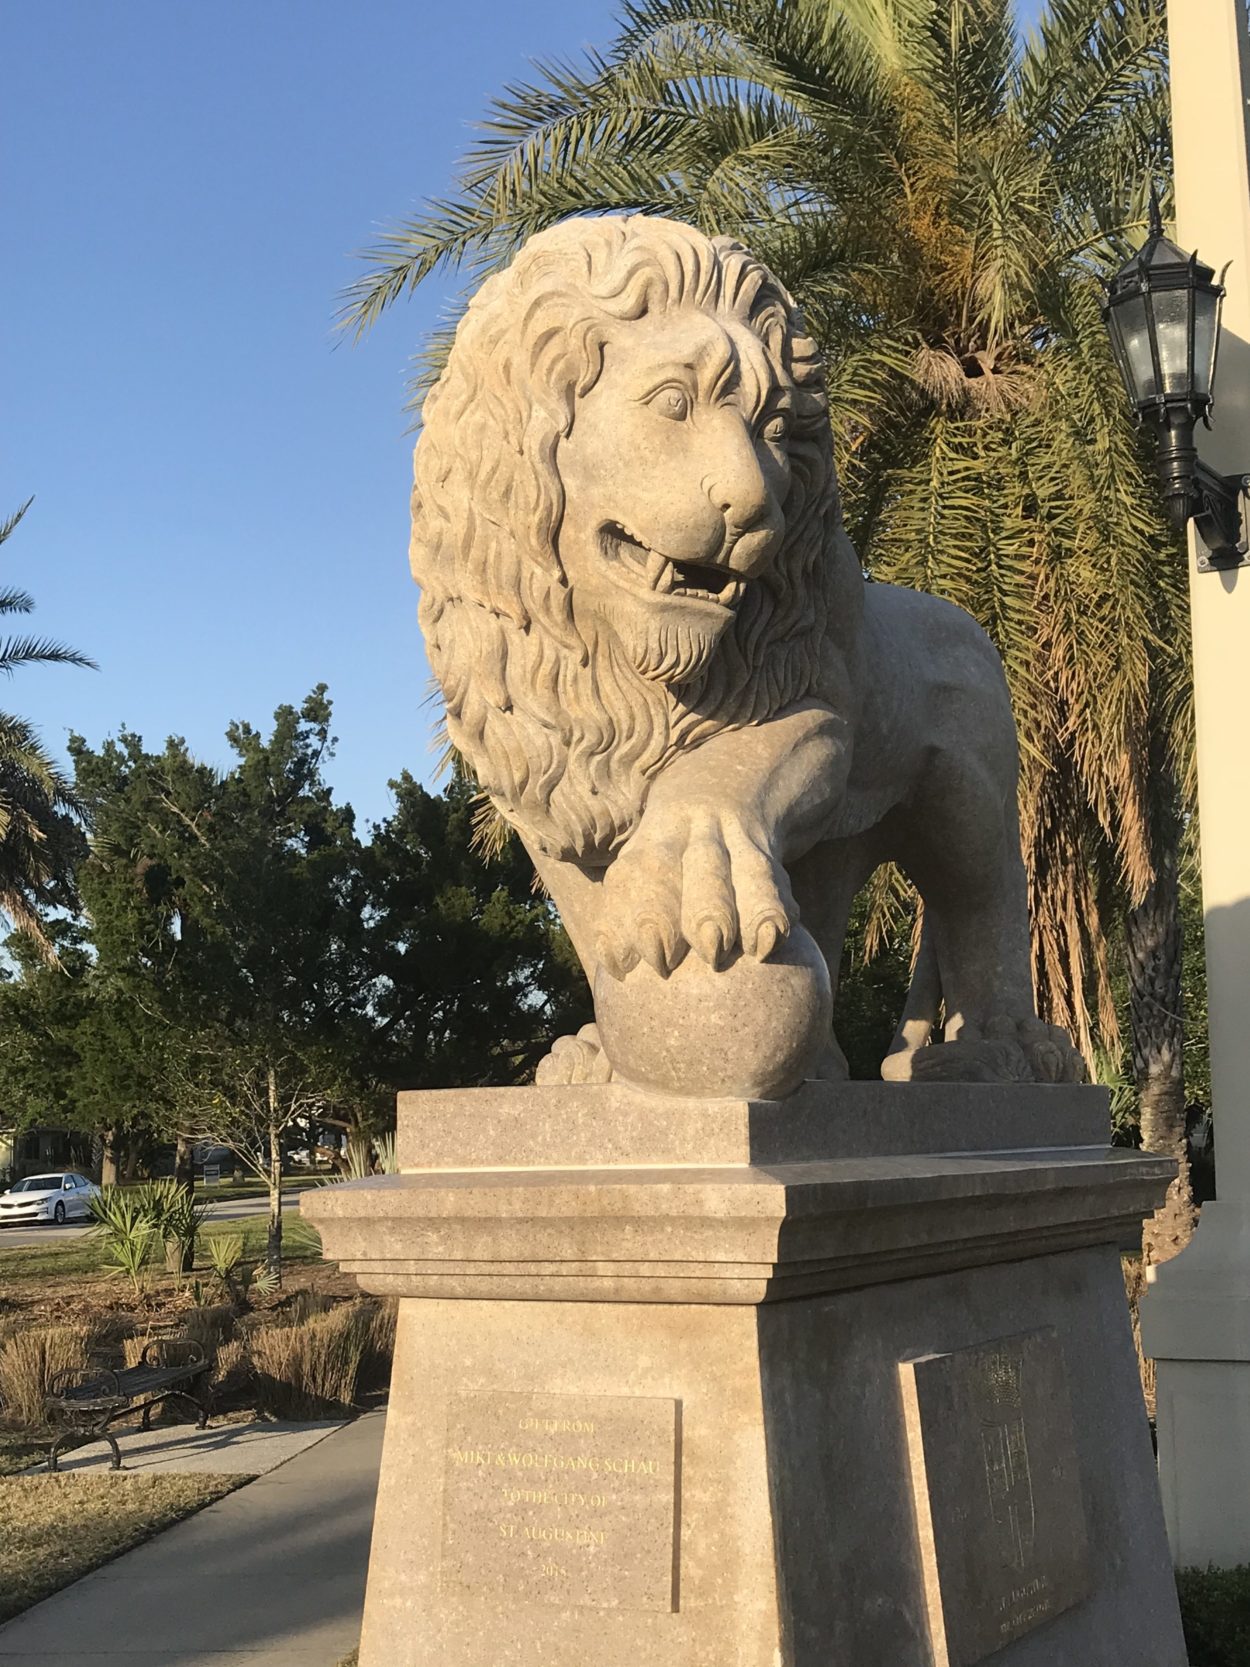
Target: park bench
82,1401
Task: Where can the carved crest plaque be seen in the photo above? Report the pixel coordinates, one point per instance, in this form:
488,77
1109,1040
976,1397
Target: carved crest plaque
997,1492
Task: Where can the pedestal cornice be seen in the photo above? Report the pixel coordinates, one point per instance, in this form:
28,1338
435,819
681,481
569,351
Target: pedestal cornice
726,1232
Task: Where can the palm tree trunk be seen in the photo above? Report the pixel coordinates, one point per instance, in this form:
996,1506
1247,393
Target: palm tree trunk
1154,941
110,1158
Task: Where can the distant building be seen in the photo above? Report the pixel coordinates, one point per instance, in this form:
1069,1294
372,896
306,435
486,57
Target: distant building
28,1151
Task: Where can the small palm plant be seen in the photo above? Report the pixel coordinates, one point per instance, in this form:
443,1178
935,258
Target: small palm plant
35,796
125,1228
225,1252
241,1279
176,1216
369,1155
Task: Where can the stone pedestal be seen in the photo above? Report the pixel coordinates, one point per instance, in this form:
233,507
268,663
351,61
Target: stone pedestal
846,1381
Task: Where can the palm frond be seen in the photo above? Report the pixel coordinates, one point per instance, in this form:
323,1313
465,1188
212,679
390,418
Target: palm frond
7,527
42,651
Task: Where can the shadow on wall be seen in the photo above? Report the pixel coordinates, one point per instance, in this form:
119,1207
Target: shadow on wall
1228,1005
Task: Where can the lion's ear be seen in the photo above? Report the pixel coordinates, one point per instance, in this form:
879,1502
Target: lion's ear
551,384
565,362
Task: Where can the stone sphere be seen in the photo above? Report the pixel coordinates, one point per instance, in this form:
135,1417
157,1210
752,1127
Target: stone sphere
750,1029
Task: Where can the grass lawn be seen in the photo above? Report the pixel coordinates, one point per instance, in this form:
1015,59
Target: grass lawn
53,1529
300,1243
19,1450
227,1192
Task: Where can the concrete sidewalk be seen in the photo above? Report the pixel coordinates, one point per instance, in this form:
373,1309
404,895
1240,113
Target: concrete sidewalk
271,1576
220,1450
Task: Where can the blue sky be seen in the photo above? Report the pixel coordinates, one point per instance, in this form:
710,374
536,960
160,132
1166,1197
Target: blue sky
221,483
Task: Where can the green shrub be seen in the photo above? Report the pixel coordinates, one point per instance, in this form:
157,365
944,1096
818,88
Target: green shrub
240,1279
1215,1607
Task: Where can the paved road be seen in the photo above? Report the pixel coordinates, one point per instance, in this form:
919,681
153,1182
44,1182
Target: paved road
48,1234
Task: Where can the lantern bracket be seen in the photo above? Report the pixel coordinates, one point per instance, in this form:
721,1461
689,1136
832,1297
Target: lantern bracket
1221,515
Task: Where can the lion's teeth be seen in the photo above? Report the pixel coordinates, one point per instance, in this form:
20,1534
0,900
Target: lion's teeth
667,579
656,564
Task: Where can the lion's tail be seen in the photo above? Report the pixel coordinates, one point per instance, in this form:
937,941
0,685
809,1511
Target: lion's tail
920,1012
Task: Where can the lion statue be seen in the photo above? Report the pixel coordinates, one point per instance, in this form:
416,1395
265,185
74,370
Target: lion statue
662,661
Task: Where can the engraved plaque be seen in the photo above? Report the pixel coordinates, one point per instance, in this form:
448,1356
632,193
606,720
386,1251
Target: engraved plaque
566,1499
997,1492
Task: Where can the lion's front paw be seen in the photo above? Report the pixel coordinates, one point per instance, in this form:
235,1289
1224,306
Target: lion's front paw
693,877
1002,1050
574,1059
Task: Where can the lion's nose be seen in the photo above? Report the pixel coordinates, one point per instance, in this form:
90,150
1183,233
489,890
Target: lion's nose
737,486
743,498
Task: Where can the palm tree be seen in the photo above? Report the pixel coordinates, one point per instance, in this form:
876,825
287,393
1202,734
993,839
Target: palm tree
37,804
945,200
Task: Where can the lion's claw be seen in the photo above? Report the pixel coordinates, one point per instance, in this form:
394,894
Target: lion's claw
710,940
655,947
574,1060
762,937
1003,1049
707,881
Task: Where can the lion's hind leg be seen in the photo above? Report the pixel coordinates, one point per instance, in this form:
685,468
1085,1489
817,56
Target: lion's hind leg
920,1013
967,1019
974,973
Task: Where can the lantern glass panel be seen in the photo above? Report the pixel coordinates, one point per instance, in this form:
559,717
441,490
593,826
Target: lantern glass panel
1172,332
1129,321
1206,339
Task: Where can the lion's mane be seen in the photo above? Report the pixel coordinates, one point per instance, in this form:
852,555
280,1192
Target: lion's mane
563,733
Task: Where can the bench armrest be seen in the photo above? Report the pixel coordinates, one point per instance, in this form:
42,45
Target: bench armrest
174,1354
83,1383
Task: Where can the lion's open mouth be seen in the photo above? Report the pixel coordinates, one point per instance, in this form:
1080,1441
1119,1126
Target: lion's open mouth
657,573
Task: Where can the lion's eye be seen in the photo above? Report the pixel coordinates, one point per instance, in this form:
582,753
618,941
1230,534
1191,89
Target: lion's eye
777,427
673,403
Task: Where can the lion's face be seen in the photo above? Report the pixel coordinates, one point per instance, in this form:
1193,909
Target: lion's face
675,473
625,522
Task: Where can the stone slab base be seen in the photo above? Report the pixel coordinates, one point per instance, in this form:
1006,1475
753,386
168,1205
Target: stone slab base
849,1388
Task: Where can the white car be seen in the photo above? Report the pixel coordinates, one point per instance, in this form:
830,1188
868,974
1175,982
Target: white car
56,1198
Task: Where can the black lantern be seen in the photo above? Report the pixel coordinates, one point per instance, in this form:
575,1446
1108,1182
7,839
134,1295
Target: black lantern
1163,313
